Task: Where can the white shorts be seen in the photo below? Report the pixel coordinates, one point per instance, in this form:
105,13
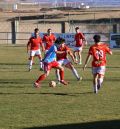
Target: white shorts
63,62
35,52
99,70
77,48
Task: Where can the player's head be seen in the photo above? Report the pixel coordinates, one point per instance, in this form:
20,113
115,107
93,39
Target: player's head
62,42
49,31
36,32
97,38
77,29
59,41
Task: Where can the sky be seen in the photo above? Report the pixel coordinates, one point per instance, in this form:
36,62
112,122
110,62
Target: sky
93,2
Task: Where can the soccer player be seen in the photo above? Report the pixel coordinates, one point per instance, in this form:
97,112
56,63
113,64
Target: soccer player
50,62
33,46
98,51
63,60
80,41
48,39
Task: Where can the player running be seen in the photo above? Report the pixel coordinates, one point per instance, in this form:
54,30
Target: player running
33,46
50,62
80,41
63,60
48,39
98,51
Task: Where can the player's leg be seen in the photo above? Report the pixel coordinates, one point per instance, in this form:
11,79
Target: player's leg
100,81
101,72
80,55
61,72
95,83
70,66
61,62
75,55
38,53
32,54
31,62
95,78
40,62
42,77
58,75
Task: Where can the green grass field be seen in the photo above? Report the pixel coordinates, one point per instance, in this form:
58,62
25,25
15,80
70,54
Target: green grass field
71,107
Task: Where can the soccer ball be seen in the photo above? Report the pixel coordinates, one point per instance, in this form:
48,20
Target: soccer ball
52,84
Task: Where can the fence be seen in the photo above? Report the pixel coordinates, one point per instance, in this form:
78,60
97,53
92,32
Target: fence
16,26
22,37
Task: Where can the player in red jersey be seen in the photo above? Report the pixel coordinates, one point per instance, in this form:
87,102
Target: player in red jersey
63,60
48,39
33,46
98,51
80,41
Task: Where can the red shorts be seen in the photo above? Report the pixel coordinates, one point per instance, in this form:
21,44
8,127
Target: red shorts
48,66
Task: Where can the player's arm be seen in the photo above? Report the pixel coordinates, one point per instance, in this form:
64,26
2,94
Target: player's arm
110,53
108,50
84,39
86,62
54,38
71,55
42,45
60,52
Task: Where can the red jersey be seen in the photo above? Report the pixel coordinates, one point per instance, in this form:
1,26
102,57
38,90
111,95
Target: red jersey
35,43
63,55
49,40
98,51
79,39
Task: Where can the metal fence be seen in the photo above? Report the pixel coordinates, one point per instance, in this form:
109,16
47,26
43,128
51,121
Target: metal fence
61,20
22,37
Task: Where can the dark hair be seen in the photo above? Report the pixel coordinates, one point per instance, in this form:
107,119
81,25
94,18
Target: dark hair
62,40
36,29
59,40
76,28
49,29
96,38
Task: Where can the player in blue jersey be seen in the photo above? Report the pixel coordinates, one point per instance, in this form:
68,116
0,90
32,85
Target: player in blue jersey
50,62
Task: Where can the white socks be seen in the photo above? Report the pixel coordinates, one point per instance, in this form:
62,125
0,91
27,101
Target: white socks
30,64
75,73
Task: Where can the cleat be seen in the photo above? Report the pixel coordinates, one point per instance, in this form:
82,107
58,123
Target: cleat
29,70
58,82
41,69
80,63
36,85
98,87
63,82
95,92
79,79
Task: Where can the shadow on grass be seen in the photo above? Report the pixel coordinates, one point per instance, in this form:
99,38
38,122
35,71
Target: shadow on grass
56,94
16,81
111,124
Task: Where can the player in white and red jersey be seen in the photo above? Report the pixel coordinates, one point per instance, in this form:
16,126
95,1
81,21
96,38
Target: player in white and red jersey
48,39
33,46
98,51
63,59
79,43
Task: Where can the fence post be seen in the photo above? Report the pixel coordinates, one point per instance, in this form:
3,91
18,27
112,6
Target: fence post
115,28
14,28
64,27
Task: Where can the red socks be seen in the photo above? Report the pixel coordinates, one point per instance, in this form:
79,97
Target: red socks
61,74
42,77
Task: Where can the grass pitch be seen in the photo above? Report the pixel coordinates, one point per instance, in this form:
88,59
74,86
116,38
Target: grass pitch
71,107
